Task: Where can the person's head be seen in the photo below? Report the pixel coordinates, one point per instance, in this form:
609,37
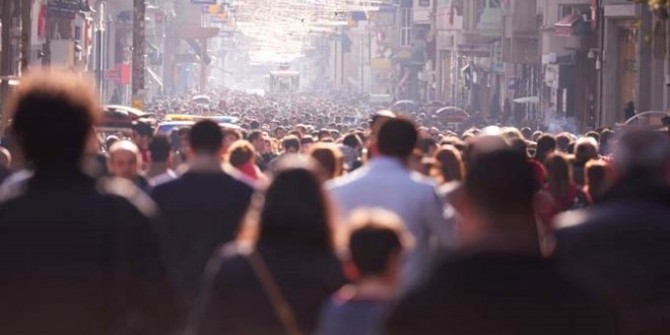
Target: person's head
253,125
546,145
142,133
378,120
306,142
280,132
329,157
291,144
5,158
323,133
52,117
643,154
159,149
206,138
605,141
428,146
563,141
594,135
586,148
397,138
498,199
376,241
110,140
184,134
124,160
596,178
510,133
451,163
241,153
527,133
520,145
559,174
256,139
294,210
352,141
230,136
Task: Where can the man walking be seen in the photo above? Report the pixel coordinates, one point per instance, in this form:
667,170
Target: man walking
77,256
386,182
201,209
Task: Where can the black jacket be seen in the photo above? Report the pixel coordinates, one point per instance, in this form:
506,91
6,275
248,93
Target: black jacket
79,257
199,212
233,301
620,251
497,293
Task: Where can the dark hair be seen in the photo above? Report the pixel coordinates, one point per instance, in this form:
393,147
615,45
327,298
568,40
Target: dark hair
184,131
206,137
160,148
546,144
563,142
307,139
254,135
397,137
52,114
351,140
290,142
501,183
426,144
254,124
323,133
371,246
520,145
295,209
593,134
142,128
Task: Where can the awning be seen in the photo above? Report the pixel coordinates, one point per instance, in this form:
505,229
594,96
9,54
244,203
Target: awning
566,26
527,100
474,50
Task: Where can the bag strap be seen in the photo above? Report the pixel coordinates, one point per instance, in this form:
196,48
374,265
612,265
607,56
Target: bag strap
279,304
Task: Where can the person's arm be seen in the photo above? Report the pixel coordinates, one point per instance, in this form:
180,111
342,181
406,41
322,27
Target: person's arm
152,303
439,220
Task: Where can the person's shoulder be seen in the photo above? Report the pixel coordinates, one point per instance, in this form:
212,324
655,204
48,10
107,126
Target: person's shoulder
125,193
167,184
346,181
239,179
15,186
423,184
228,258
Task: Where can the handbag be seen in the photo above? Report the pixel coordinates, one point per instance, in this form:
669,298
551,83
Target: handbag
279,304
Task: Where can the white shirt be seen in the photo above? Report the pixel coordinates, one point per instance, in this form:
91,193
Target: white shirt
386,183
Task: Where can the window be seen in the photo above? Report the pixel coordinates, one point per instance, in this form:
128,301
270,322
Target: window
405,26
567,10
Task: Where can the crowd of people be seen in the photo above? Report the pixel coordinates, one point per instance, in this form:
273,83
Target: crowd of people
324,216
